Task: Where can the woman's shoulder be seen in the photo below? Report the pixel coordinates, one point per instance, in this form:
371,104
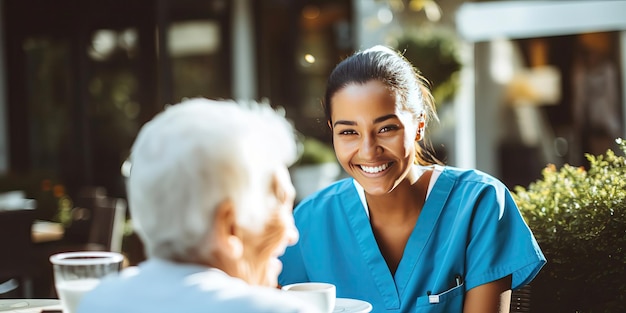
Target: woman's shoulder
323,198
469,175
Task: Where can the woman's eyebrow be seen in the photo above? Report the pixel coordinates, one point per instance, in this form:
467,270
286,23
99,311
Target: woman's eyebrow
343,122
384,118
376,120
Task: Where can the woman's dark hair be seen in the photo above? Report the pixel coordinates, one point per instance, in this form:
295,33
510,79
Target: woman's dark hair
399,75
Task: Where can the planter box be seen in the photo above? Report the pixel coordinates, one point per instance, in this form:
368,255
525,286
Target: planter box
312,177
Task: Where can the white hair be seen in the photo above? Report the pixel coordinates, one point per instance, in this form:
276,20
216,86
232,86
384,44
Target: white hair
195,155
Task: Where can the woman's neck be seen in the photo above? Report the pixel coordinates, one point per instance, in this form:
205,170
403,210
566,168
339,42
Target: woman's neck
404,202
393,217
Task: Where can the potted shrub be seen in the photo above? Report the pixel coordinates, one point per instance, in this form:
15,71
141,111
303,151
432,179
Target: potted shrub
579,219
316,168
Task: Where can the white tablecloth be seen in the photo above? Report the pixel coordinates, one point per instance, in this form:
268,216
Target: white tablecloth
29,305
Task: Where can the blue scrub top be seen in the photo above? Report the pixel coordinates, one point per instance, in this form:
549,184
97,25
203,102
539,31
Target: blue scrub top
470,232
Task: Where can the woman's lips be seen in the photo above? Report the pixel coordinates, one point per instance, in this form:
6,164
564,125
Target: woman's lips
375,169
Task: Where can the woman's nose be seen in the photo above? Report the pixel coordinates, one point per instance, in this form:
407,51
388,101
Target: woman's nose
369,147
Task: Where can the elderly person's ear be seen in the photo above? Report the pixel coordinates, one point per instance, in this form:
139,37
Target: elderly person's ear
225,235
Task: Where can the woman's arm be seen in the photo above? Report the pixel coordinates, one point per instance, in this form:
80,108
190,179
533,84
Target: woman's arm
493,297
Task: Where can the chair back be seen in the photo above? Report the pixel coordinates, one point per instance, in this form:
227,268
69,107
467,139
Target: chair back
520,300
97,221
107,229
16,260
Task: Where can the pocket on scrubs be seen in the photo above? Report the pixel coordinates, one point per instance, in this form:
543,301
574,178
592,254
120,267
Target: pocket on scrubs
450,300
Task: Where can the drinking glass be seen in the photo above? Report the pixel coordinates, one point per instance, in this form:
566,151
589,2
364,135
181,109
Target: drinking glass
76,273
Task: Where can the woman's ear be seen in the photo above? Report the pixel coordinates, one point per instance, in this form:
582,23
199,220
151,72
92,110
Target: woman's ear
421,127
226,236
329,125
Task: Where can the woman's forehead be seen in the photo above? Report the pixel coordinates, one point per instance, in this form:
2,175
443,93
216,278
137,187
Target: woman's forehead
371,100
371,95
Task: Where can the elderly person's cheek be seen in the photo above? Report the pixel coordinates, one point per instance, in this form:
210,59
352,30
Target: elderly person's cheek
263,250
279,232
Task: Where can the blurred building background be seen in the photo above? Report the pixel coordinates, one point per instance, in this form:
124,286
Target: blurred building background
78,78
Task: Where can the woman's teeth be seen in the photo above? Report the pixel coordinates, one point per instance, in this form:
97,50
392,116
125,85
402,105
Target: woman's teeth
375,169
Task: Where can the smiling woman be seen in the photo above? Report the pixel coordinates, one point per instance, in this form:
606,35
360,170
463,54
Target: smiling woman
416,235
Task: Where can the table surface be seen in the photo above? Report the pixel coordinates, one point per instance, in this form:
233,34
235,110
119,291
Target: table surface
29,305
45,231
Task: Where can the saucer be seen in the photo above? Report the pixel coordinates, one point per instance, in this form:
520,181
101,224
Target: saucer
345,305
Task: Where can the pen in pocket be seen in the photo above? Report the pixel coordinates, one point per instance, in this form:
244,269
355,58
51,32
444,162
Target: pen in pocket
434,298
458,280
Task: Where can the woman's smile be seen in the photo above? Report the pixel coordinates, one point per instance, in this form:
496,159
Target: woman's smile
375,169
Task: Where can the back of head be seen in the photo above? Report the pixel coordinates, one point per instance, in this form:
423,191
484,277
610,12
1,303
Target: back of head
195,155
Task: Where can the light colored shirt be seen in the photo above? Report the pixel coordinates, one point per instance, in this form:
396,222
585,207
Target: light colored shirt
159,286
470,232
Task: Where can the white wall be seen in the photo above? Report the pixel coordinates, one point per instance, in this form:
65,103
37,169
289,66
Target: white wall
244,65
480,23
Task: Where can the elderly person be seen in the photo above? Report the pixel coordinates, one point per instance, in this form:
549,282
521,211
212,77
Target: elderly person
211,198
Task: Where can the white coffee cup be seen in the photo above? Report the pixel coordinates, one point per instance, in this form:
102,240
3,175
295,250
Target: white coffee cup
319,295
76,273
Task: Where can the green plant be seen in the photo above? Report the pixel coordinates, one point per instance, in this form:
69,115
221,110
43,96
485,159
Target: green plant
435,55
315,151
579,219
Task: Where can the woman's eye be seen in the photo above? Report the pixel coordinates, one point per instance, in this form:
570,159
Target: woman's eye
346,132
388,128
